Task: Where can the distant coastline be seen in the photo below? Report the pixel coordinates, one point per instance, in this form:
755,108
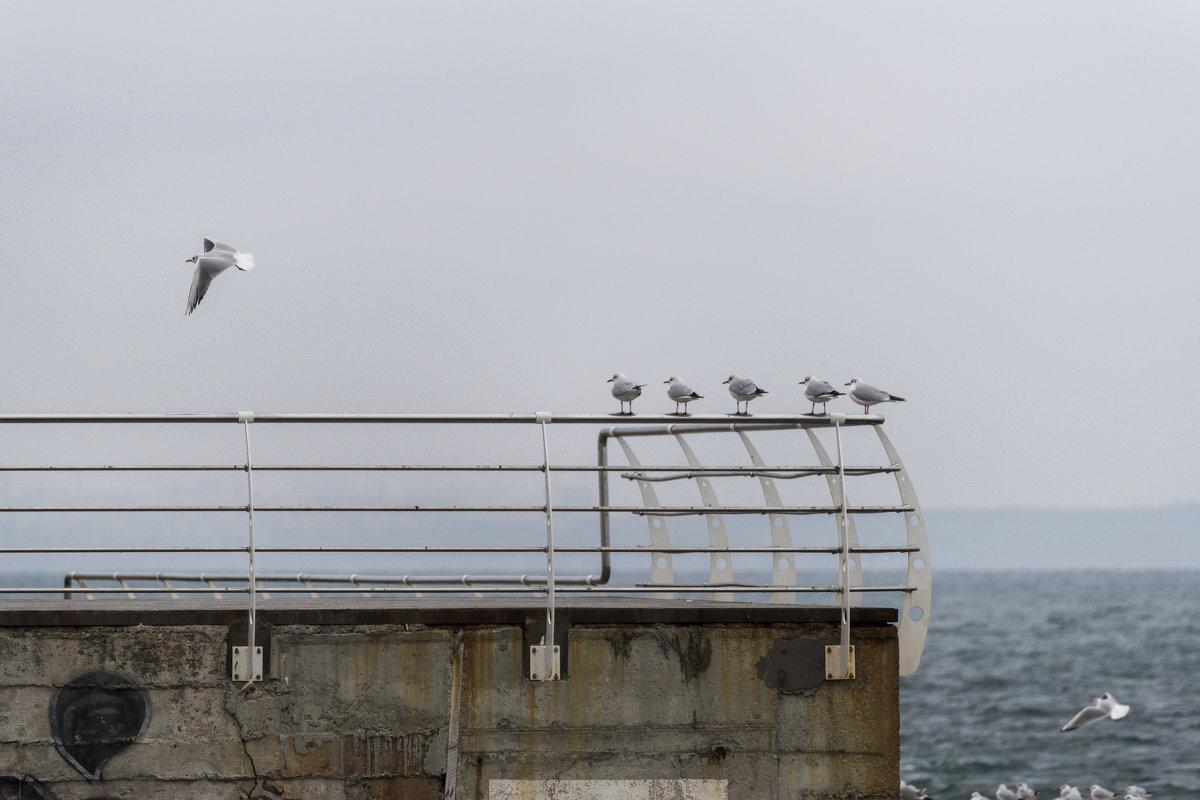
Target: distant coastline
1150,538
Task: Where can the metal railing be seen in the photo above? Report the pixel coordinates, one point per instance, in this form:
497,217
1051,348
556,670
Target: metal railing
810,460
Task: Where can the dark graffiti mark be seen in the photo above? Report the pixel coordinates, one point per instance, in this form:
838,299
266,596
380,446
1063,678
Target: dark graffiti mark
15,786
275,792
95,717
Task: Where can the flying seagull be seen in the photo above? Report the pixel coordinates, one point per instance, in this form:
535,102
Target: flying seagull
1103,706
819,392
680,392
215,259
743,390
867,395
625,390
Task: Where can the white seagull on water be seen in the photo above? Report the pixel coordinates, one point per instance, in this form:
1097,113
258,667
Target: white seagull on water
215,259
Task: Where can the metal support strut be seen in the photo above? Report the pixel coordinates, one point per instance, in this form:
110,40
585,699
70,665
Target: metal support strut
839,658
544,657
248,661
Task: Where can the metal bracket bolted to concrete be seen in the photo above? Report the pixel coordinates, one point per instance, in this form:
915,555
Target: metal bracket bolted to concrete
833,669
544,663
244,666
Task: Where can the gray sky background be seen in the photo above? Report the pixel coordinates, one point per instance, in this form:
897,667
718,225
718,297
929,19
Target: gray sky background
989,208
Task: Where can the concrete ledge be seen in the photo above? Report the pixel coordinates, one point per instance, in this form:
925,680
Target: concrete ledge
425,698
595,610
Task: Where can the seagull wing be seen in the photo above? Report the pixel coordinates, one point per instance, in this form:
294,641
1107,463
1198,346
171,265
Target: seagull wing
1089,714
206,270
742,386
818,388
210,245
680,391
868,393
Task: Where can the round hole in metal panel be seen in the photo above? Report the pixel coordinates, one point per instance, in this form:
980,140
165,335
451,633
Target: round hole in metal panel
916,613
783,563
720,563
656,522
851,566
918,563
779,522
716,523
914,520
662,562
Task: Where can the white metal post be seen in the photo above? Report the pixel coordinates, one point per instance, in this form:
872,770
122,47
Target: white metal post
544,659
248,665
841,665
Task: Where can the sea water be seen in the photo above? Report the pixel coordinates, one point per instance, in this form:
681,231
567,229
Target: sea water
1012,656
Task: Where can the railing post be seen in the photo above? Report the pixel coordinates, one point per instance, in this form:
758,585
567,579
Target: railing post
544,658
247,664
839,659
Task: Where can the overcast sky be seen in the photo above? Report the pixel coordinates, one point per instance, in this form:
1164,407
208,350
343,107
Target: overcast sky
989,208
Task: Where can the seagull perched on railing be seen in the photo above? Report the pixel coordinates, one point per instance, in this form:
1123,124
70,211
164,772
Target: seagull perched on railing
819,392
867,395
625,390
215,259
680,392
743,390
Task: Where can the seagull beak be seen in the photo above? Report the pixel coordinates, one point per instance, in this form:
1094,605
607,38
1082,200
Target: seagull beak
724,382
191,260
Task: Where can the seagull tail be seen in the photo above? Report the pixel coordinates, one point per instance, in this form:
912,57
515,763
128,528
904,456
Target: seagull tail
244,261
897,399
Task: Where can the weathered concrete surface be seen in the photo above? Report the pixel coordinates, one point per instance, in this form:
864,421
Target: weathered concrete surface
708,693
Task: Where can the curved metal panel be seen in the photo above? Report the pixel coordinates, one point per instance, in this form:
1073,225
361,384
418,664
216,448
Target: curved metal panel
662,570
720,565
835,493
914,617
783,569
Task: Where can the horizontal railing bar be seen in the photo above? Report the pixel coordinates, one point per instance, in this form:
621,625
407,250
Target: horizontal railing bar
453,549
405,580
696,423
625,470
15,551
714,424
639,510
637,589
780,473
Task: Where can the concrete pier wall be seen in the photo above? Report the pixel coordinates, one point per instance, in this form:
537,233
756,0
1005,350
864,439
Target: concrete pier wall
369,699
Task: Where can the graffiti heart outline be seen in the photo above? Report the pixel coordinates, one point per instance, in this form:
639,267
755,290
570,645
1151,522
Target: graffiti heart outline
94,717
